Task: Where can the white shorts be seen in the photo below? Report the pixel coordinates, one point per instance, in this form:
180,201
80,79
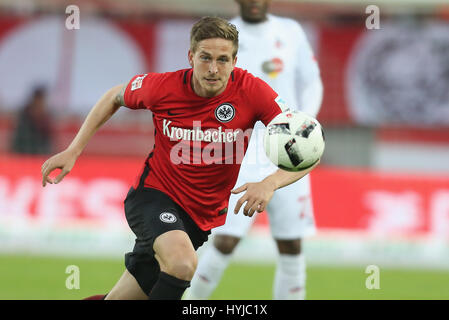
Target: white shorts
290,213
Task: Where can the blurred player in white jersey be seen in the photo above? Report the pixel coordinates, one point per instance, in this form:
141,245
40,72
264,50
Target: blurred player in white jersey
275,49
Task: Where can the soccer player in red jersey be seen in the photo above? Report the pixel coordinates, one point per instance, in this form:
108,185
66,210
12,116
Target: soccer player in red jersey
201,117
276,50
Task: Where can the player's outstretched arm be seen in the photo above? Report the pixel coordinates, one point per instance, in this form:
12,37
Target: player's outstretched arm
108,104
258,194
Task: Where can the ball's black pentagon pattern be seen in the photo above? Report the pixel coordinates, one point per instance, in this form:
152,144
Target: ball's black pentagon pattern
292,151
277,128
305,129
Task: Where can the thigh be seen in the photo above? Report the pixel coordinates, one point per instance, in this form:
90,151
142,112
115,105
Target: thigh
290,212
236,225
150,213
174,248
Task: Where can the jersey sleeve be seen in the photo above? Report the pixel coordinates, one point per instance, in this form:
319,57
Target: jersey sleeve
269,103
307,65
309,85
141,91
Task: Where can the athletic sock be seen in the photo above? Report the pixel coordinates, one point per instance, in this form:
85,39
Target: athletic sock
290,278
168,287
208,274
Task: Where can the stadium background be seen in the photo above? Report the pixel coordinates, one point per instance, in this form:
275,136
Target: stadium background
381,194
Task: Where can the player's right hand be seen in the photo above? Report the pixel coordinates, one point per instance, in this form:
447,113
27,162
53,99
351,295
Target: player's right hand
64,160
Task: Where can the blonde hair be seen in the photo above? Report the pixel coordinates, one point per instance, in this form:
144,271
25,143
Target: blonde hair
214,27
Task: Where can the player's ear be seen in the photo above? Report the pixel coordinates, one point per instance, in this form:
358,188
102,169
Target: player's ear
190,57
234,62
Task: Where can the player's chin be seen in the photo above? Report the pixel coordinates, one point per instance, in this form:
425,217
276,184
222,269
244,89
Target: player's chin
212,87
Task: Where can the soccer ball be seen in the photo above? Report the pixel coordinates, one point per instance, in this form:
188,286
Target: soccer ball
294,141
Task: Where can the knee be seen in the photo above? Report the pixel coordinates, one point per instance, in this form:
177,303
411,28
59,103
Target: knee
181,265
289,246
225,244
175,254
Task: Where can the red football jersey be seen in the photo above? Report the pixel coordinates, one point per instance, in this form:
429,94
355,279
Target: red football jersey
199,142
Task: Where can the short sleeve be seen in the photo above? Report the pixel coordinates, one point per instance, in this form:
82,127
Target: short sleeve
140,91
307,66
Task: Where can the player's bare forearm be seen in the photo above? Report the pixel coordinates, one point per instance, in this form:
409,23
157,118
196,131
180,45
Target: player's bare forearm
103,110
282,178
100,113
258,195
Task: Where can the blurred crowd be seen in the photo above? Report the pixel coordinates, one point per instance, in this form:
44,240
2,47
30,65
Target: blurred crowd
33,126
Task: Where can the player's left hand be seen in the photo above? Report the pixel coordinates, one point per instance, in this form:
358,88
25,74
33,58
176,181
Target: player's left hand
257,196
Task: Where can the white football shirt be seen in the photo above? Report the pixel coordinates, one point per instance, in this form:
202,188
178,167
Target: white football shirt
278,52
